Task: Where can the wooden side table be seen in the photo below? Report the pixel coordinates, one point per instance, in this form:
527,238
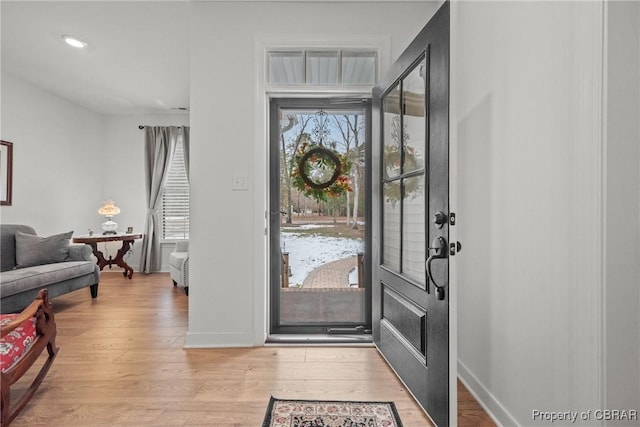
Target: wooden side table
126,239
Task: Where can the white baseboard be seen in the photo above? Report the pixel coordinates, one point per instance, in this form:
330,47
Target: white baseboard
488,401
218,340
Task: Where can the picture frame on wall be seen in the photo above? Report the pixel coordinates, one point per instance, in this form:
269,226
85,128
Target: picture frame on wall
6,173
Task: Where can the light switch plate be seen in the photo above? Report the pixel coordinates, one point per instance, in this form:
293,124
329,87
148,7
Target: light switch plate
240,182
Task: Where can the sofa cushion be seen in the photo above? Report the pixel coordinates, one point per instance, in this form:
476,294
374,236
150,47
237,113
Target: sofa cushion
16,343
23,279
35,250
8,244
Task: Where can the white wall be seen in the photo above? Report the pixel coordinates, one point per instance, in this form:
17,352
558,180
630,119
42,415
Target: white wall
226,279
528,80
623,206
57,169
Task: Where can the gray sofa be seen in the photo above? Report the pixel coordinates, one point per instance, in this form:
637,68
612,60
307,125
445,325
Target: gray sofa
64,268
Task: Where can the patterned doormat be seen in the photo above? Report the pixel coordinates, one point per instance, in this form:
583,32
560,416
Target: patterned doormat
321,413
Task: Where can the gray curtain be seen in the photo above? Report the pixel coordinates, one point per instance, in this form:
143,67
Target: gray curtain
159,144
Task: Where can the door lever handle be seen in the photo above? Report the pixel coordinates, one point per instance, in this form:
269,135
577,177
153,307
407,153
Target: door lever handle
439,246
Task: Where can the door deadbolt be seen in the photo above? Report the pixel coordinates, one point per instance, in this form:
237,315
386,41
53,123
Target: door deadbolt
439,218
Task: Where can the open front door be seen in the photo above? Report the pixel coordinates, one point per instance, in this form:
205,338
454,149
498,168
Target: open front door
411,208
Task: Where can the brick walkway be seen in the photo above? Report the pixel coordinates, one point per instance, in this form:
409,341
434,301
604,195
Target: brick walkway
334,274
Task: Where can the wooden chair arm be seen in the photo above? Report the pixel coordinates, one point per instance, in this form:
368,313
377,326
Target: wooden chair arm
46,332
41,300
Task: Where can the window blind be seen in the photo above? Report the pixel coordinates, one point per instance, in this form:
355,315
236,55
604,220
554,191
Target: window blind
175,198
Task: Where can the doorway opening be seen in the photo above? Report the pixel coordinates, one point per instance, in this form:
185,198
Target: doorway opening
319,229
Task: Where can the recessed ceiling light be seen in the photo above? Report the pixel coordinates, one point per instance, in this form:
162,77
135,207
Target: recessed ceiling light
73,41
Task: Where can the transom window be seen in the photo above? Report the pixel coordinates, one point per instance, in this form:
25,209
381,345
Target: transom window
322,67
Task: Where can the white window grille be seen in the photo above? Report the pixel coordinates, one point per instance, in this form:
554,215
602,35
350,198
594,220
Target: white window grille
175,198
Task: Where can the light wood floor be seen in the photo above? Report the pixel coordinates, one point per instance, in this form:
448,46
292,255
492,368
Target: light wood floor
122,362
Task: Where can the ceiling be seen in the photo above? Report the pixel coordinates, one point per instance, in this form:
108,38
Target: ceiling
136,61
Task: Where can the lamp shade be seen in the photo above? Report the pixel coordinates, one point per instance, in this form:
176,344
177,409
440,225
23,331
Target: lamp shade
109,209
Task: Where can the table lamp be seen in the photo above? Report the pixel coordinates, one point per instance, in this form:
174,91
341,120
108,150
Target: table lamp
109,209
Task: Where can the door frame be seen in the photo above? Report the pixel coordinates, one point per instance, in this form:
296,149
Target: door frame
263,93
312,332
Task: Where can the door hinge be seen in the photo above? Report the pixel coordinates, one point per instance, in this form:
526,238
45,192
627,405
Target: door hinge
452,218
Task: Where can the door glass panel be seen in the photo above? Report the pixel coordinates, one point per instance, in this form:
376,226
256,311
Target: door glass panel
413,101
391,226
413,236
392,154
322,217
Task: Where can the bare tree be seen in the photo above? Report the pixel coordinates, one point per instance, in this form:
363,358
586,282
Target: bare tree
345,131
355,168
350,127
287,157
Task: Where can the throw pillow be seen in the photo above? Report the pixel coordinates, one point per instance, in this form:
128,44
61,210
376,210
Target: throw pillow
36,250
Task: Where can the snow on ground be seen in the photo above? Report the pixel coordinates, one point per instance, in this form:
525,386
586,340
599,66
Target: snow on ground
307,252
307,227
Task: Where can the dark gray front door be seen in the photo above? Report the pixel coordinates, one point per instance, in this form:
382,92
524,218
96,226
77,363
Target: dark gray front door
410,290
